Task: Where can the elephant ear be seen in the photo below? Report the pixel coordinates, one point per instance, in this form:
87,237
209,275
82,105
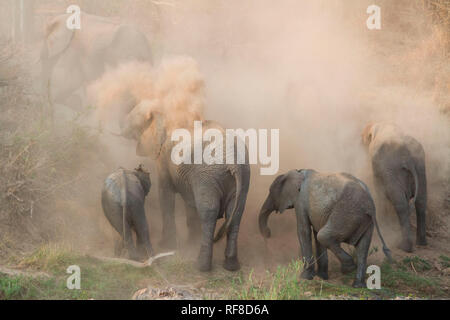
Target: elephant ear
58,36
370,132
290,189
153,137
366,135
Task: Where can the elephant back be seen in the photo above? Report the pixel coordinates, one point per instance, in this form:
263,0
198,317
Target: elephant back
323,191
114,183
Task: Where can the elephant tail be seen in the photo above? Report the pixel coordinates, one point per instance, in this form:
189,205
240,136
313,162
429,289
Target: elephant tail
238,172
411,168
386,250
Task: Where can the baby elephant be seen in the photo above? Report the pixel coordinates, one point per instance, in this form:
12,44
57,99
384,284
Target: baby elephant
339,209
123,198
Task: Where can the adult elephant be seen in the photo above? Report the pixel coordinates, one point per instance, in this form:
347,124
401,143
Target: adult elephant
336,208
209,191
73,58
398,164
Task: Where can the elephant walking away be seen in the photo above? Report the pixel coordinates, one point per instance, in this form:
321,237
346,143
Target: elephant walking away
398,165
123,198
71,59
335,208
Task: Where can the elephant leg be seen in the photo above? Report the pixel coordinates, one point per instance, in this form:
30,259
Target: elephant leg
114,214
402,209
231,259
129,245
118,247
329,240
167,203
421,205
322,259
193,224
144,246
304,237
421,208
380,198
209,218
362,250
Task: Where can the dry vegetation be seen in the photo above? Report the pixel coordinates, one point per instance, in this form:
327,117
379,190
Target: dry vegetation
42,167
424,46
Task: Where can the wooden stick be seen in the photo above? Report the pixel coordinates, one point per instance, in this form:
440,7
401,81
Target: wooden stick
412,265
158,256
133,263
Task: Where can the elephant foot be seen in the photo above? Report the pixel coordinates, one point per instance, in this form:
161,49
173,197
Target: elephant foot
358,284
323,275
204,261
168,243
308,274
145,254
347,268
231,264
204,266
118,248
406,246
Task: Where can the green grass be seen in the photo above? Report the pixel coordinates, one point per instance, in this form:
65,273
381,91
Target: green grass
24,288
10,287
283,284
418,263
397,279
279,285
99,280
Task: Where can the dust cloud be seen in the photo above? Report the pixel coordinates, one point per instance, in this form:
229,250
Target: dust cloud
309,68
175,88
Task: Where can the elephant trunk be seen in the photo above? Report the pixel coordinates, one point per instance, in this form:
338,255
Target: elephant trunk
264,214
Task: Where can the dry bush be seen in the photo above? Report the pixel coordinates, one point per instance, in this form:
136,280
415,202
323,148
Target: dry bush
420,48
42,171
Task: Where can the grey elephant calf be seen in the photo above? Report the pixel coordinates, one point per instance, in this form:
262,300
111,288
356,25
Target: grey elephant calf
398,164
338,208
123,198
